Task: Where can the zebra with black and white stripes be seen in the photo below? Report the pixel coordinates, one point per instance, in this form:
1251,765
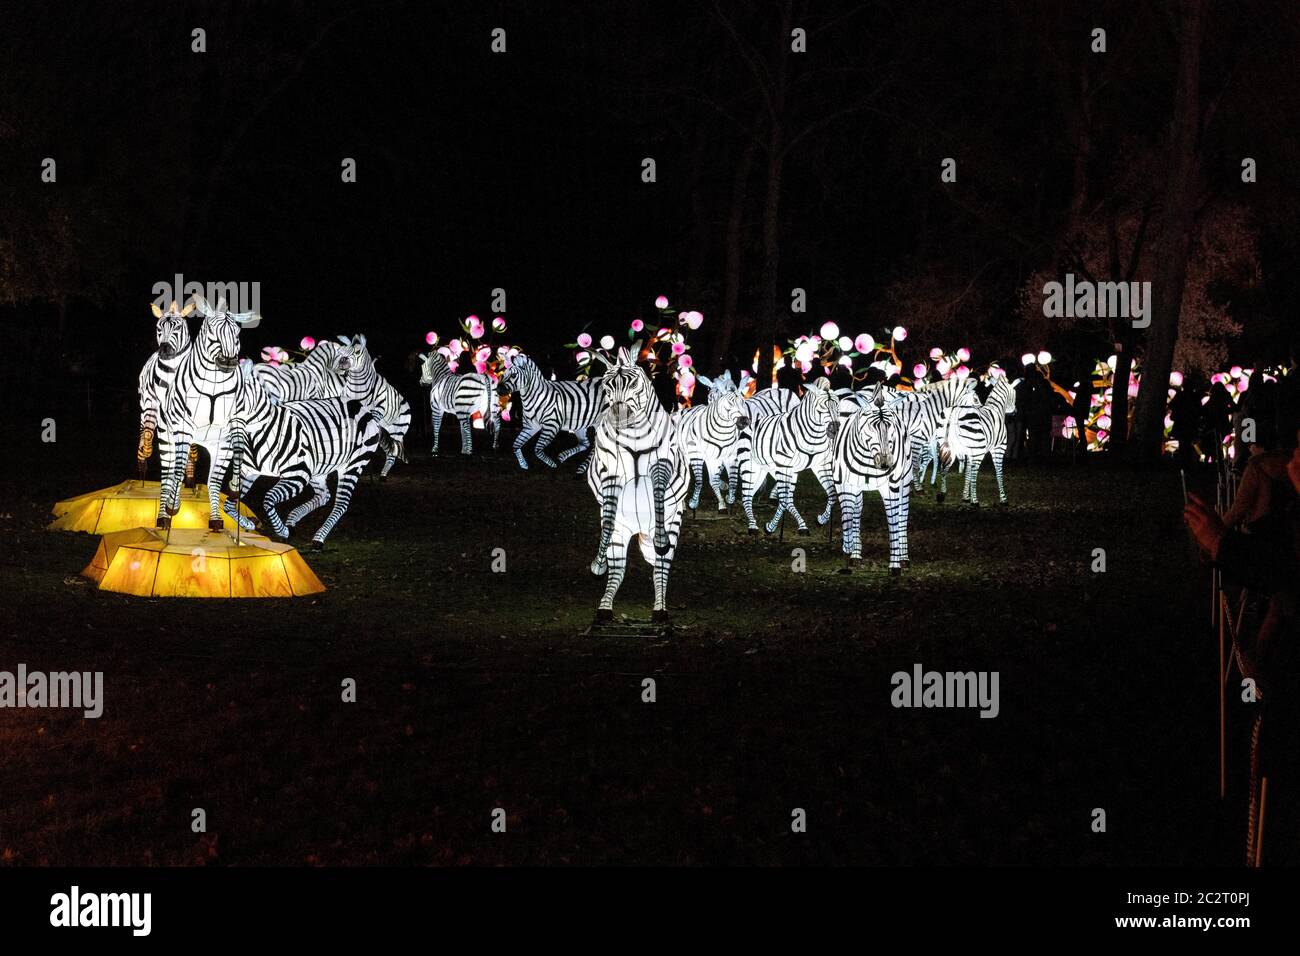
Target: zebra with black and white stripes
316,376
709,434
463,396
971,434
172,335
364,381
925,448
785,445
196,406
549,408
639,475
872,453
301,444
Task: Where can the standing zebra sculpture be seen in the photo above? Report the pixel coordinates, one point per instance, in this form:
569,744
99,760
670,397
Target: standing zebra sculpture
197,404
925,448
300,444
550,408
872,453
365,381
172,335
639,475
971,434
464,396
786,444
709,434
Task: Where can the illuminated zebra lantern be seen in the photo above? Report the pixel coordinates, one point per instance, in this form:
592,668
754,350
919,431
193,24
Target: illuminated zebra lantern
872,453
550,408
463,396
365,382
300,444
786,444
196,406
172,335
639,476
316,376
709,435
972,434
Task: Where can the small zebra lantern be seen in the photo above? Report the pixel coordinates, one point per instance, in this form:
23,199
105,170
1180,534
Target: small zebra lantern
638,474
463,396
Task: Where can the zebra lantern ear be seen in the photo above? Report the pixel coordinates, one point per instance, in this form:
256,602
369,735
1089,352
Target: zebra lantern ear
345,339
221,303
708,382
247,320
189,307
157,312
204,308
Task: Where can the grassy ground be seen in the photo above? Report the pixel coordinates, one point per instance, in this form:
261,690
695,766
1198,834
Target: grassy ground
477,690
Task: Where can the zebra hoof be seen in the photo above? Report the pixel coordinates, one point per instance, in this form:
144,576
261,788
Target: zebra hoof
823,521
751,531
216,524
846,569
939,497
163,522
895,572
383,477
905,564
604,615
973,504
314,545
1003,503
803,532
659,617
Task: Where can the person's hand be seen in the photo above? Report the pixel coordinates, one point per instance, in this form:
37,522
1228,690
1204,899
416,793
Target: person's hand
1293,469
1205,524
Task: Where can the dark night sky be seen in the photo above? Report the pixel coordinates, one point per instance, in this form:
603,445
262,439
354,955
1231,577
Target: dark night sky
521,170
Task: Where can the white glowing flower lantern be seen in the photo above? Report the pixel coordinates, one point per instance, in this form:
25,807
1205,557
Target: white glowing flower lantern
1044,357
805,351
845,343
846,361
1176,379
1235,371
661,302
830,331
963,355
607,342
864,343
899,333
1027,359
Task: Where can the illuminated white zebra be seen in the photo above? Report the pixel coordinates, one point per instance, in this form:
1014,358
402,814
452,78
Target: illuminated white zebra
762,404
172,335
550,408
872,453
639,475
971,434
464,396
925,448
196,406
786,444
365,382
709,434
316,376
301,444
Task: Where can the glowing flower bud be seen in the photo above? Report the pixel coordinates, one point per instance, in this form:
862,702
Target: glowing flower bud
661,302
431,338
936,353
805,351
505,414
846,361
1132,390
1110,362
584,340
686,361
943,367
1243,385
637,325
607,342
1044,357
308,343
679,348
864,343
582,358
918,370
694,319
963,371
845,343
475,325
499,324
1027,359
1103,421
446,353
456,347
963,355
1235,371
830,330
1176,379
1102,435
900,333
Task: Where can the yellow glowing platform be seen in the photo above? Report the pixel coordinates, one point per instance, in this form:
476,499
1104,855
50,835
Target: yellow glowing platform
134,504
148,562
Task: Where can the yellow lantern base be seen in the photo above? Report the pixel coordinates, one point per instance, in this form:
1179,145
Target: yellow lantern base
150,562
134,504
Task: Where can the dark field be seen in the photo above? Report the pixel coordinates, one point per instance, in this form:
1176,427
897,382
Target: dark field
477,690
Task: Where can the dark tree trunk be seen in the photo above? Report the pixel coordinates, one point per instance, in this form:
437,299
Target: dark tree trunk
734,258
767,306
1176,234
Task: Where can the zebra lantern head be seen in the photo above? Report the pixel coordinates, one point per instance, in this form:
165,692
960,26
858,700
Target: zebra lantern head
824,404
432,365
724,395
626,390
218,338
353,354
521,366
171,331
